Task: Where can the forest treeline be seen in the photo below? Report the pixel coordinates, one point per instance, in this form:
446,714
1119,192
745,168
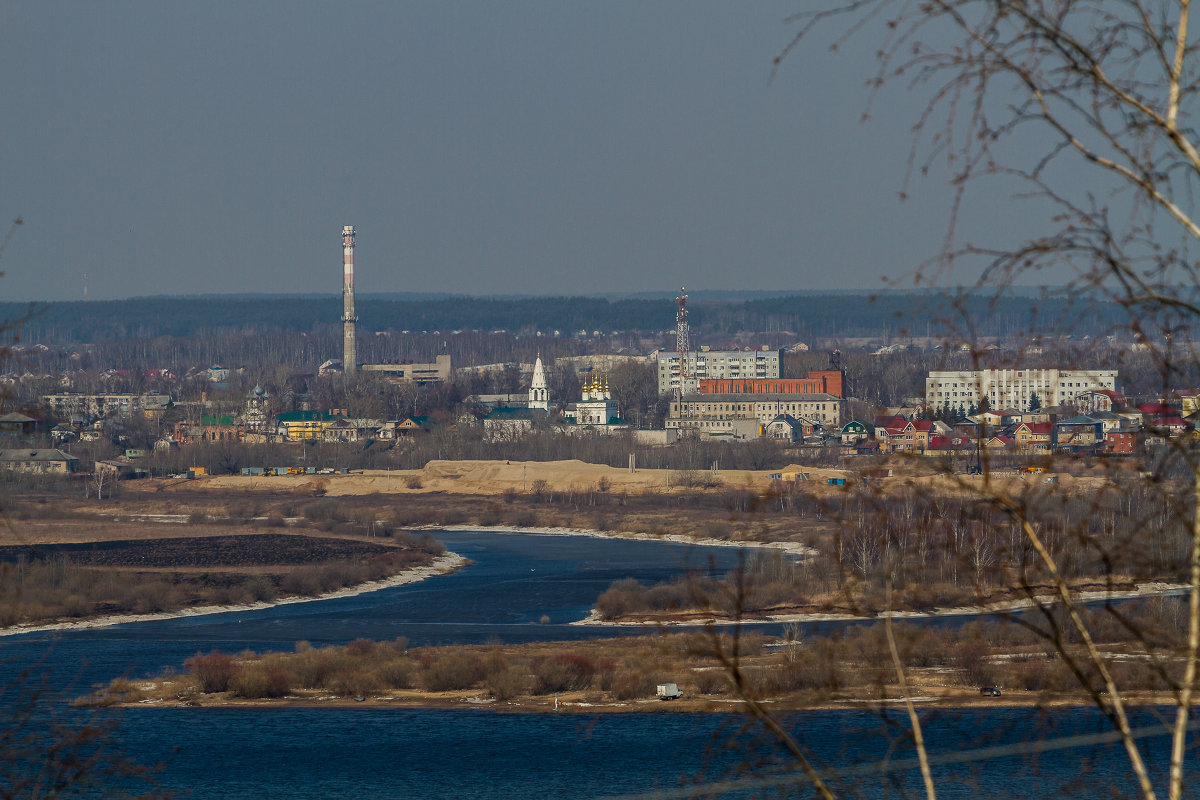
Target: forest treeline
806,316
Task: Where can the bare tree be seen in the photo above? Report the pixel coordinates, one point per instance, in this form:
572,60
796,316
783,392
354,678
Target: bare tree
1084,112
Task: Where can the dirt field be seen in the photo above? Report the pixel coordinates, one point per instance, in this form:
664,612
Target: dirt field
496,477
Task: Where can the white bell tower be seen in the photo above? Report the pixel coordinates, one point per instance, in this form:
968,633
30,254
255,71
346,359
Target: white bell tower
538,397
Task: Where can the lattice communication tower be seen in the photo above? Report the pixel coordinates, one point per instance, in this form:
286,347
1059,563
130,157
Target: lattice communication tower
681,339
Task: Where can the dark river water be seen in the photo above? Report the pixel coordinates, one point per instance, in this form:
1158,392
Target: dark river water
514,582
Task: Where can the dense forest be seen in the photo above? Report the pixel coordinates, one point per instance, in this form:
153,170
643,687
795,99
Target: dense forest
802,317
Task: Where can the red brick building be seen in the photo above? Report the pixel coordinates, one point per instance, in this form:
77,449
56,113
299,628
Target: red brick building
826,381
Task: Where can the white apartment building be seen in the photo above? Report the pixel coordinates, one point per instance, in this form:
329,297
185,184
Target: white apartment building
66,406
1013,388
708,364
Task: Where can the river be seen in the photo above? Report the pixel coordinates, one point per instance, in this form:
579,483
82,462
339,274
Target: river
521,587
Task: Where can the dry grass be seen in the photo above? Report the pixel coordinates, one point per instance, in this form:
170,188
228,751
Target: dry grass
851,667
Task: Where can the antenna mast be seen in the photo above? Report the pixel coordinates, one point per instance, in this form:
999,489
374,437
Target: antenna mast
681,340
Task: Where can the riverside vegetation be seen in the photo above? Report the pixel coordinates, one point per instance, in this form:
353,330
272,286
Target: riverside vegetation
220,561
873,545
914,550
946,665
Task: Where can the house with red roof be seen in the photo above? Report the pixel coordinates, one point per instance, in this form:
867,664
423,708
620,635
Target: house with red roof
1152,410
1098,400
1170,426
1034,437
950,444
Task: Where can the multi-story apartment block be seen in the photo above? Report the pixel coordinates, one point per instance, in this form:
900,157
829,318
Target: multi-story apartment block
1013,388
715,365
91,406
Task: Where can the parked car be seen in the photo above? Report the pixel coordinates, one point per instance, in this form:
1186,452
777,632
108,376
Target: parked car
989,691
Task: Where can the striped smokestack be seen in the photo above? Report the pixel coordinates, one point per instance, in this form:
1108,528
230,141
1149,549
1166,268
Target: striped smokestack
349,354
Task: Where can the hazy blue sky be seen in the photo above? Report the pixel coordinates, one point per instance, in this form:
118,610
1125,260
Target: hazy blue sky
516,147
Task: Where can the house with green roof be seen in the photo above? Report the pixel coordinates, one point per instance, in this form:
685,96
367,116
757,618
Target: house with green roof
299,426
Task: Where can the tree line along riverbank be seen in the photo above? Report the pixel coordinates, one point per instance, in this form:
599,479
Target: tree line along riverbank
849,669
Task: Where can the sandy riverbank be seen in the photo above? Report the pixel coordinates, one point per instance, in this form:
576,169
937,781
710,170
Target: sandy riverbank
446,563
1008,606
793,548
578,703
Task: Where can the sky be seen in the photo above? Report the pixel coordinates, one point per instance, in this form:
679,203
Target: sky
478,148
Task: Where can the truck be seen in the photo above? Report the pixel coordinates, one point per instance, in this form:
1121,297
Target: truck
668,691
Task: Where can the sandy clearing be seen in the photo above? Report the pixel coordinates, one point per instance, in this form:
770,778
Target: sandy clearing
491,477
449,562
494,477
792,548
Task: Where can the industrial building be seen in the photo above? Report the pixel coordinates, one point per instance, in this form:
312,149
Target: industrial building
746,415
420,373
438,371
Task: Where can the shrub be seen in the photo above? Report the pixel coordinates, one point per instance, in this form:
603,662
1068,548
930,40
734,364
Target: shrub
261,680
630,685
1044,675
452,671
562,673
260,588
305,581
214,671
540,490
153,596
428,543
323,510
360,648
971,656
525,519
505,684
711,681
450,516
350,682
396,674
413,481
313,668
621,598
75,606
667,596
